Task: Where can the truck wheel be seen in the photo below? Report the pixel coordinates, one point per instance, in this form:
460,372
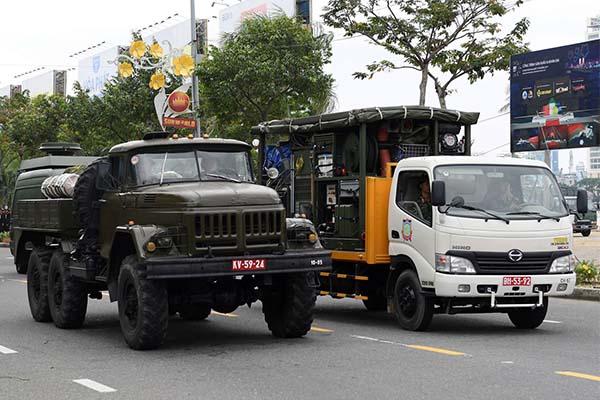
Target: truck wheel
37,284
412,309
529,318
587,232
194,312
21,265
288,309
143,307
67,295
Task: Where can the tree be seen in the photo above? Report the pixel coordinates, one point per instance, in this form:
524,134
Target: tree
442,39
270,68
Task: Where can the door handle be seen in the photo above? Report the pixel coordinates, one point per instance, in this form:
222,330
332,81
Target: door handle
395,234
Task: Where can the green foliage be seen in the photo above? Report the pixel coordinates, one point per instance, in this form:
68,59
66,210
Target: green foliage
443,39
4,236
587,272
270,68
591,185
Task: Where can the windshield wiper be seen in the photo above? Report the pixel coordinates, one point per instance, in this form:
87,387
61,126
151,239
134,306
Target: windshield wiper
227,178
471,208
542,216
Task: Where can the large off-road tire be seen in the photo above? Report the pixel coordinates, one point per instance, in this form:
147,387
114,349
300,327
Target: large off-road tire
21,265
37,284
67,295
289,306
527,318
194,312
85,194
143,307
412,309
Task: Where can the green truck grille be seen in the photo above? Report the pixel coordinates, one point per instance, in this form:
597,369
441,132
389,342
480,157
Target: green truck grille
239,232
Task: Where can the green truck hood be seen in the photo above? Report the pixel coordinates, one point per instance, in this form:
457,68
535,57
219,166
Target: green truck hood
205,194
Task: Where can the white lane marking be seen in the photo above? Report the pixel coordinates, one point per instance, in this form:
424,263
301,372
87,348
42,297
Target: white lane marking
507,362
413,346
9,257
6,350
549,321
18,280
98,387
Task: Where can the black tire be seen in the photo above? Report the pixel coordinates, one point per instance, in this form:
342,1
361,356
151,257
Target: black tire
67,295
85,194
289,306
527,318
21,266
587,232
194,312
37,284
412,309
143,307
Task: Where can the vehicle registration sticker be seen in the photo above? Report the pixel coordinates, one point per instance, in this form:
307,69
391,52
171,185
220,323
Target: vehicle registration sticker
516,281
255,264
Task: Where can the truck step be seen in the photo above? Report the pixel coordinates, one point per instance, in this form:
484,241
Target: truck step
343,295
345,276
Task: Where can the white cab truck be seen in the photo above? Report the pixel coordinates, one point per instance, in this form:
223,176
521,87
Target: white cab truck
498,238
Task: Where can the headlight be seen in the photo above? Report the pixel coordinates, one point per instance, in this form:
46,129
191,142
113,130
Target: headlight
562,265
453,264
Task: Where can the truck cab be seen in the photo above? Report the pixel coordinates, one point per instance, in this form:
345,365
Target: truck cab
497,238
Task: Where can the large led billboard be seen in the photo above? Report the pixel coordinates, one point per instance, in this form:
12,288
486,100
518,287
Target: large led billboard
555,98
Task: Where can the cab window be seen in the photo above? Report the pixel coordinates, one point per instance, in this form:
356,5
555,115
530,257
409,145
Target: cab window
413,195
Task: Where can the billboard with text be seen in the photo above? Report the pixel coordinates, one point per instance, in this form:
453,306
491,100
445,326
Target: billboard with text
555,98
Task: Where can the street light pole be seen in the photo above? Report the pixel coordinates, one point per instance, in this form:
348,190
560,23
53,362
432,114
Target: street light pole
195,57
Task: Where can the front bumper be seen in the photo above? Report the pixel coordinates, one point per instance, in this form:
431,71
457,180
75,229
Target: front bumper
207,267
446,285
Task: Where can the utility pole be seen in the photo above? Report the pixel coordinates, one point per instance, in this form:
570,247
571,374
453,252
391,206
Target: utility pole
197,132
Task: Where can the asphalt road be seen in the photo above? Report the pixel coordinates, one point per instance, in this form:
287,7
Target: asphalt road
350,354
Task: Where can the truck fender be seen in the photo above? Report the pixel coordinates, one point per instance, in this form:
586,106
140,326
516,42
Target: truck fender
127,240
399,263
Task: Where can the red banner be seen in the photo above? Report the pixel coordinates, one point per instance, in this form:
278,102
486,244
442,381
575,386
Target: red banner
179,122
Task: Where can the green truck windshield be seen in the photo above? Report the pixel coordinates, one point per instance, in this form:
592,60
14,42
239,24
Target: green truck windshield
186,166
512,192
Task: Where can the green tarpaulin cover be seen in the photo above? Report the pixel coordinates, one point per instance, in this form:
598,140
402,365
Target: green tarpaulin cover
337,120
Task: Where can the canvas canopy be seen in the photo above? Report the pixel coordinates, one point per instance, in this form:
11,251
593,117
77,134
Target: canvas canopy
345,119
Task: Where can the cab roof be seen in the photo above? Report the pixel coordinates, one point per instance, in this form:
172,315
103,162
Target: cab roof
431,162
181,141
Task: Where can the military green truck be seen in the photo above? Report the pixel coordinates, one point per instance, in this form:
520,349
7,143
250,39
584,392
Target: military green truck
167,226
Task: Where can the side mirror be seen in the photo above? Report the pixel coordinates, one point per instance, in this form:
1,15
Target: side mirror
438,193
582,201
104,180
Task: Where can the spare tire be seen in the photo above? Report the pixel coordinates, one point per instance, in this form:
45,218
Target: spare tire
86,194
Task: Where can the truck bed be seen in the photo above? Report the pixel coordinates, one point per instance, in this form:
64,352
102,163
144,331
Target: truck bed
55,215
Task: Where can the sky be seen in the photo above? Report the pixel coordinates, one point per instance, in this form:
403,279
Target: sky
45,33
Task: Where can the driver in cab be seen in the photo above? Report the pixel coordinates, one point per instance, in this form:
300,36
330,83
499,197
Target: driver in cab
424,200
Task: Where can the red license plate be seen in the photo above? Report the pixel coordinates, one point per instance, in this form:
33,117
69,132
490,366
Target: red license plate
256,264
516,281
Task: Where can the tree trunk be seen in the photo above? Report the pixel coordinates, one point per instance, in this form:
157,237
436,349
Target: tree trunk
423,84
442,93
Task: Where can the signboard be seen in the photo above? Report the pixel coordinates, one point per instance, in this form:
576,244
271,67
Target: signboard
94,71
179,122
230,17
555,98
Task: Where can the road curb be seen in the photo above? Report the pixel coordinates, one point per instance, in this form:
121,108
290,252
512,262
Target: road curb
584,293
4,245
